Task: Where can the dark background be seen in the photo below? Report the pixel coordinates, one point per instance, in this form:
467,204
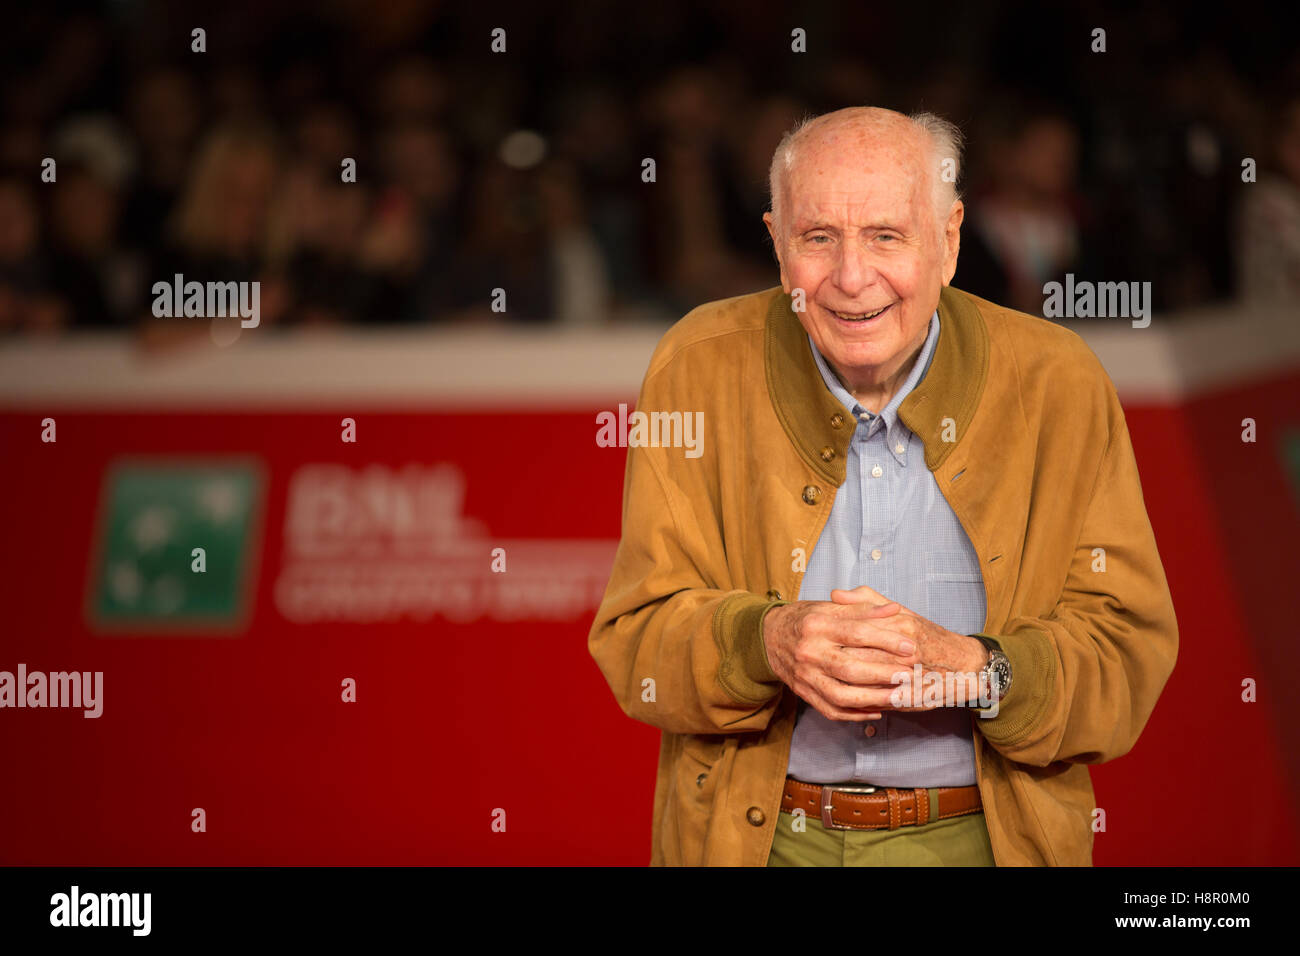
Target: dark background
1124,165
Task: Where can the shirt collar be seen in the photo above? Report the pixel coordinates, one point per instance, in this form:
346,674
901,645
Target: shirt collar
890,412
938,412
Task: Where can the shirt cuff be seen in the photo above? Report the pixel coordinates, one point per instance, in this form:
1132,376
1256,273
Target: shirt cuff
744,671
1033,675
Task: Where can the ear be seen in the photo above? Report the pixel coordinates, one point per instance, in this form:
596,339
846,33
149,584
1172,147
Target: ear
952,241
776,247
771,231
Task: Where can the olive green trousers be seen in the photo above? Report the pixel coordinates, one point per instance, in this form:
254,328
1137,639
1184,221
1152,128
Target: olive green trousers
958,841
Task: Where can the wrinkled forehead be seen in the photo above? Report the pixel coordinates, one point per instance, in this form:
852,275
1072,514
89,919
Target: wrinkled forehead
852,179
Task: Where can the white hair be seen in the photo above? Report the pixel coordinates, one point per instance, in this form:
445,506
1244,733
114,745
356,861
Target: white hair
946,145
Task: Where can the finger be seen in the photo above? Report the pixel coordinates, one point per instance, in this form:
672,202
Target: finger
868,606
859,595
855,716
848,697
888,609
908,696
894,638
854,671
832,712
874,655
828,710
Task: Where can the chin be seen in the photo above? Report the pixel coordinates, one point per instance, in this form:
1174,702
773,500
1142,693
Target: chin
863,356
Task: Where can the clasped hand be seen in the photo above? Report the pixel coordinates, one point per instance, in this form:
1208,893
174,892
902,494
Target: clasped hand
847,656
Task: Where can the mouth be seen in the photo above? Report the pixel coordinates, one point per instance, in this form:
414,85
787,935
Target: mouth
858,318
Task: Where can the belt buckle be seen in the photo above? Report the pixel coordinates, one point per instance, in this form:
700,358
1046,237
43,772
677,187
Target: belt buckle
827,806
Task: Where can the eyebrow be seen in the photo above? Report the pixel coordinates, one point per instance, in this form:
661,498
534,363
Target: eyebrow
826,227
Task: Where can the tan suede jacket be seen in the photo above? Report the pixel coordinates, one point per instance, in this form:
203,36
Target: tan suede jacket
1024,433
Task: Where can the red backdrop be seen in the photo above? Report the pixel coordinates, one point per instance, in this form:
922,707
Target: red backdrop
456,719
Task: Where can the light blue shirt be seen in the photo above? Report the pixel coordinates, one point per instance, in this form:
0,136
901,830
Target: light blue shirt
891,529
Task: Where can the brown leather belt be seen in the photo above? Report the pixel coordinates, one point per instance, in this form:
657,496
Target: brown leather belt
875,808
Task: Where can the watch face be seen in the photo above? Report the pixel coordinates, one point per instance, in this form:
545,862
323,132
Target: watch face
996,675
1000,674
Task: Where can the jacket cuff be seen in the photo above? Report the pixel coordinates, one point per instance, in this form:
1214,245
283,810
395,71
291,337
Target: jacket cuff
1033,675
743,670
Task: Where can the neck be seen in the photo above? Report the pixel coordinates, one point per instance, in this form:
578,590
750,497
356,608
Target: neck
875,387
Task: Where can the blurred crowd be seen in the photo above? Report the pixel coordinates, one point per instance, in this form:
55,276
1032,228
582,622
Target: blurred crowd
524,169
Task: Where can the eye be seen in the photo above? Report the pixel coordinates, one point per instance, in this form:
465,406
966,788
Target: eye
818,237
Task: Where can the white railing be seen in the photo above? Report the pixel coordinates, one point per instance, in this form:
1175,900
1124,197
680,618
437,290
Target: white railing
524,368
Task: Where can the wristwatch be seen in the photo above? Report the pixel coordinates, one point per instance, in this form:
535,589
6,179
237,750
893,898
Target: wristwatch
996,675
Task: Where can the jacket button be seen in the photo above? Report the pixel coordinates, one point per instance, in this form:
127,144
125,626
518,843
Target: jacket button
828,453
699,781
811,493
774,595
837,420
755,816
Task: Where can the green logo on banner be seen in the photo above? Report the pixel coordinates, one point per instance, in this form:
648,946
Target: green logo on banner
154,515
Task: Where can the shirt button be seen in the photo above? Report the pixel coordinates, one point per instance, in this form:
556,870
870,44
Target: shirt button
755,816
875,555
871,730
811,493
877,471
899,448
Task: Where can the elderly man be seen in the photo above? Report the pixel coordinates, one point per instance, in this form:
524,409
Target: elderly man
902,488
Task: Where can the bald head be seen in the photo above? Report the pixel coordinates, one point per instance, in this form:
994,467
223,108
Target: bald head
921,140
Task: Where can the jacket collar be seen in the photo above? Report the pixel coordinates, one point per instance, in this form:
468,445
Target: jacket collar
815,420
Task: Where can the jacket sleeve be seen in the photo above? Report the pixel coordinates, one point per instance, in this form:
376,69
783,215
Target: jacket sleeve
681,649
1085,678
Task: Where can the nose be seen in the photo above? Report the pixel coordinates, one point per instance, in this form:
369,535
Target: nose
854,271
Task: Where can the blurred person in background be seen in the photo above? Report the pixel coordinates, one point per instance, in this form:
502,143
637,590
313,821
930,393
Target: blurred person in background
504,247
694,259
1267,247
417,212
99,274
220,229
360,251
30,300
1200,122
581,285
752,137
411,90
527,234
164,115
325,132
1025,227
21,144
318,219
597,138
319,226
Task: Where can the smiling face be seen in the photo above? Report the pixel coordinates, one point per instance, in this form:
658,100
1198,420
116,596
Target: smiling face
862,237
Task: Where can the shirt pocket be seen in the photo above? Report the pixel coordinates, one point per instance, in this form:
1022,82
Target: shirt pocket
954,590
